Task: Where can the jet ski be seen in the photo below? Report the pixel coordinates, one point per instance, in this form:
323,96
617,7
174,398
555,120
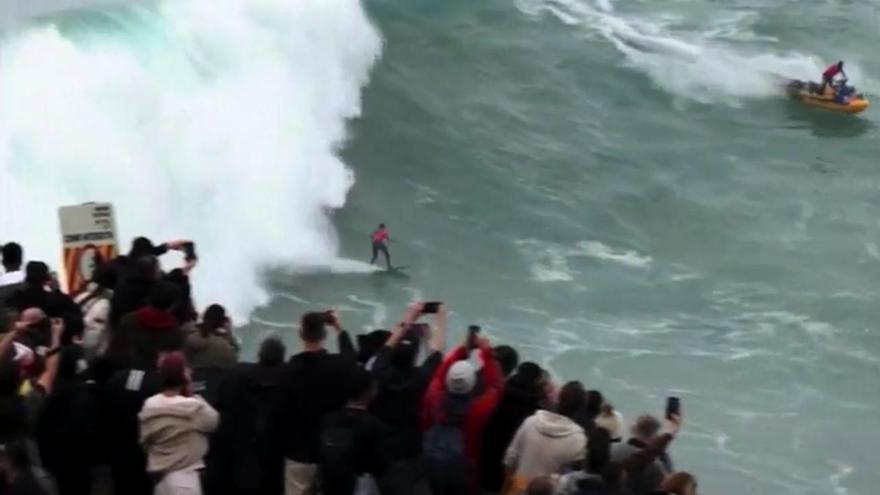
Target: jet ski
837,98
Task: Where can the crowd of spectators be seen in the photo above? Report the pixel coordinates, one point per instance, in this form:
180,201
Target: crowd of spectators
125,389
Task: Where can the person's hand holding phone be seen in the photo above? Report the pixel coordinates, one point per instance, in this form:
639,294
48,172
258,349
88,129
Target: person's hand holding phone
333,320
673,424
177,244
413,312
673,415
189,251
431,308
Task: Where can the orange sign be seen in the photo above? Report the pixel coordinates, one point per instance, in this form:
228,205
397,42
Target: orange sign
89,235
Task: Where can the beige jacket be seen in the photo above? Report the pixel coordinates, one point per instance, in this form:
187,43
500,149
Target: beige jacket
174,432
545,443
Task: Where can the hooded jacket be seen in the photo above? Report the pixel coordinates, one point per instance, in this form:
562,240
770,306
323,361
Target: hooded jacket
544,444
479,409
174,432
211,351
150,330
520,400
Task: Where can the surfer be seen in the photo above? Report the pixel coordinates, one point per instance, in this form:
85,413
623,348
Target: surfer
380,239
829,74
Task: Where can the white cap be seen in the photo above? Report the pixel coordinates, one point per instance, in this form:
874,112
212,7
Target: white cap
461,378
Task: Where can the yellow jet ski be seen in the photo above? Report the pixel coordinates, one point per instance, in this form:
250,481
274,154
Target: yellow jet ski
837,98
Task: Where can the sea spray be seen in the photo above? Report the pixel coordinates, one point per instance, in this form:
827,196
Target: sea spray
695,64
218,122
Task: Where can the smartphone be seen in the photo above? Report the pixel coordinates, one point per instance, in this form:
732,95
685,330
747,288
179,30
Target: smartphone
673,407
189,251
473,332
431,308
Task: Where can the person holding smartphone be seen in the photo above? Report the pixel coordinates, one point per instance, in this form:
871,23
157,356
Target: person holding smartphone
313,384
643,481
602,470
174,428
402,384
455,412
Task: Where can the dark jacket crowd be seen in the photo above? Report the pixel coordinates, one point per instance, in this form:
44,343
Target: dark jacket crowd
123,388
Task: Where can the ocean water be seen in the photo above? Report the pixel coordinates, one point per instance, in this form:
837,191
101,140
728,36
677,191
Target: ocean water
616,187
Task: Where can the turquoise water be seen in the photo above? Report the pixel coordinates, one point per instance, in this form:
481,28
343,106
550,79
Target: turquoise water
618,188
651,219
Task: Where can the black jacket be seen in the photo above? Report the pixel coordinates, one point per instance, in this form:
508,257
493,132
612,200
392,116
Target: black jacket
243,459
518,403
13,418
121,399
66,435
399,402
25,484
313,384
130,296
367,454
645,480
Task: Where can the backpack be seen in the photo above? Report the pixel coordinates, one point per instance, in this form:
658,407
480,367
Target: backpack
443,446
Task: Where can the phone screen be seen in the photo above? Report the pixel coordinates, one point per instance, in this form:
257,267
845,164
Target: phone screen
673,406
189,250
430,308
473,332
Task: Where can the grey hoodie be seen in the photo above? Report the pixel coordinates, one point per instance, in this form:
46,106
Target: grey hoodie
545,444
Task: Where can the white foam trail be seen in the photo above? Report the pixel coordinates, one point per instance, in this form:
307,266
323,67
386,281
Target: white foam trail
549,262
218,121
696,66
630,258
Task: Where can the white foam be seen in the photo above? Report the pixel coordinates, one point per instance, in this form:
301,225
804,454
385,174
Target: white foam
549,261
601,251
719,65
842,471
218,121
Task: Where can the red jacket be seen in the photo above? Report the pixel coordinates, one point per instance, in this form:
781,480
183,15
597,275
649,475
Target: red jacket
480,408
380,235
832,70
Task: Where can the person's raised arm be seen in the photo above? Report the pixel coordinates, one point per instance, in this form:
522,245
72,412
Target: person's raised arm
438,334
189,265
493,378
435,388
410,316
346,346
47,379
657,446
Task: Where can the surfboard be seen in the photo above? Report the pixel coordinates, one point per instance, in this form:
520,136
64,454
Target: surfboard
393,272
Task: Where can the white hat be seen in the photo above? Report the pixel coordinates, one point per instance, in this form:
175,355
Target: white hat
461,378
612,421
